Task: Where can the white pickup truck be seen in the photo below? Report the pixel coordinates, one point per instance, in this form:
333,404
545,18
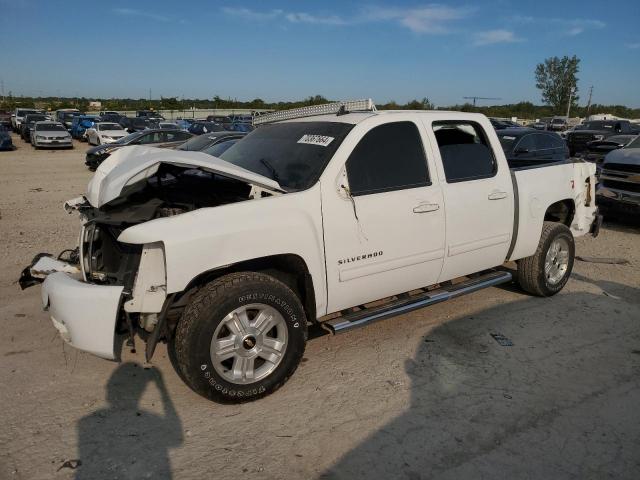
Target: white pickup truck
337,214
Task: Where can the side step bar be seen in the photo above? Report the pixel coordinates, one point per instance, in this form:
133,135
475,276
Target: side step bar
403,304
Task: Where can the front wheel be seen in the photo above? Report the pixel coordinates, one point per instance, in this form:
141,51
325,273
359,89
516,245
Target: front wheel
240,338
547,271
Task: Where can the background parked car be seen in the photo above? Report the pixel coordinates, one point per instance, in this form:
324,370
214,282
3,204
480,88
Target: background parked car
598,149
28,122
184,123
241,127
168,126
65,116
113,117
199,127
598,130
219,119
105,132
525,147
5,139
137,124
50,134
19,115
5,118
558,124
541,124
619,187
202,143
153,138
81,123
149,114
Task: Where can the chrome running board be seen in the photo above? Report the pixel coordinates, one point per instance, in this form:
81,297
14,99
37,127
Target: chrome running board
405,303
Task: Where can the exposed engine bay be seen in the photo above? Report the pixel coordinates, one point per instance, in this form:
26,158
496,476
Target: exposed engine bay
171,190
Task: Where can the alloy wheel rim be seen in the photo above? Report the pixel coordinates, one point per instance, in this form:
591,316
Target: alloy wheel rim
249,343
556,261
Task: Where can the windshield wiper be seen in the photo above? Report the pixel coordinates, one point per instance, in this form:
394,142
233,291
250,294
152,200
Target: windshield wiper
274,173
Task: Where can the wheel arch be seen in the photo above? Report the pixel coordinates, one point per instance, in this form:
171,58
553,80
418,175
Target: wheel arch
289,268
562,211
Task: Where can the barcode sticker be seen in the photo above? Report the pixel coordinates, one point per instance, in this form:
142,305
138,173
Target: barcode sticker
321,140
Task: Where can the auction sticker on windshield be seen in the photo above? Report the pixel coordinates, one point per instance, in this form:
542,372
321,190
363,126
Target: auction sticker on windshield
321,140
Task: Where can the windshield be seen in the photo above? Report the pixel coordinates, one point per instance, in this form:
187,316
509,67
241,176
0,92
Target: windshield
293,154
22,113
109,126
35,118
50,127
507,141
635,143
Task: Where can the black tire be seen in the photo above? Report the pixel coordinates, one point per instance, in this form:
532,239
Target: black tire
206,311
531,270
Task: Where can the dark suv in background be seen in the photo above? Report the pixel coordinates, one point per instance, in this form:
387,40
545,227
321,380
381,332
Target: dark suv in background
578,139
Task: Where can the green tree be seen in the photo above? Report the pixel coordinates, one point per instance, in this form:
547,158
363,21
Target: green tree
556,78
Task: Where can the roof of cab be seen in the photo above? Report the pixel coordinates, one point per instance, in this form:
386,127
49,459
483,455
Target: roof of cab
357,117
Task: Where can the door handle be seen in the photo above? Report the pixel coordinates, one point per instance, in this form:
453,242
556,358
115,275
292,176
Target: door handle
426,207
497,195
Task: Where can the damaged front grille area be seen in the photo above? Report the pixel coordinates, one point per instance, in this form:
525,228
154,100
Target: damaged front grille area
103,259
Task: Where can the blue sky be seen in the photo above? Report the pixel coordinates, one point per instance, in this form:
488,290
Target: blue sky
283,50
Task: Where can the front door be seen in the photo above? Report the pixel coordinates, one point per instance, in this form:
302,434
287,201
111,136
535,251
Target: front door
383,218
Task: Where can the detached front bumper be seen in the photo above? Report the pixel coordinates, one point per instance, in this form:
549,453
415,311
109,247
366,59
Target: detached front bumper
85,314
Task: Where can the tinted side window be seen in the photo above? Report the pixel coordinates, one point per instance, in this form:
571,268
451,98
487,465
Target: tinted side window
556,142
544,142
389,157
465,151
527,143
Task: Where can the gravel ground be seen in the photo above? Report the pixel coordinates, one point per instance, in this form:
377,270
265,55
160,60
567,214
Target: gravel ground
429,394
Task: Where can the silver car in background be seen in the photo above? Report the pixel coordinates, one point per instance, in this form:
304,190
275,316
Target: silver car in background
50,135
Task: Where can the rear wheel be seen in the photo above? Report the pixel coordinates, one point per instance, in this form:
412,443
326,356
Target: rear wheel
241,337
547,271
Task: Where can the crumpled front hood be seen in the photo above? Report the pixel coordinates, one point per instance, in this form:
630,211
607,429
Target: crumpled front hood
129,165
627,156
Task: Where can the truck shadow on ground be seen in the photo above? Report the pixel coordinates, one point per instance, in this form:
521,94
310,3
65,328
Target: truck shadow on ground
561,402
124,440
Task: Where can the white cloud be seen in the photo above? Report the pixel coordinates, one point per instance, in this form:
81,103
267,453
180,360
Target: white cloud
130,12
579,25
315,19
429,19
491,37
565,26
633,46
252,15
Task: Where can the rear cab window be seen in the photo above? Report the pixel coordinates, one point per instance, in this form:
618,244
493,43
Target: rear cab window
465,151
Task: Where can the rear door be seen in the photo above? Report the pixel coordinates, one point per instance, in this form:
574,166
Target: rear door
478,196
383,216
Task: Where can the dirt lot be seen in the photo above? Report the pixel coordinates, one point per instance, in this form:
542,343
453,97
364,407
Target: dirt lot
430,394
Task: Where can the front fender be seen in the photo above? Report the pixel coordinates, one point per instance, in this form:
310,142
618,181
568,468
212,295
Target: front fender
210,238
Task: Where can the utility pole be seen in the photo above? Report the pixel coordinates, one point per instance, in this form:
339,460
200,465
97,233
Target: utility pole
589,102
571,92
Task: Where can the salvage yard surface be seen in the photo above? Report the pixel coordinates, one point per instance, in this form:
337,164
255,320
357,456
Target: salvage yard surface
497,384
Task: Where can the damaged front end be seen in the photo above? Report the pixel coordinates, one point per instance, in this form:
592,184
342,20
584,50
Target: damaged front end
103,286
